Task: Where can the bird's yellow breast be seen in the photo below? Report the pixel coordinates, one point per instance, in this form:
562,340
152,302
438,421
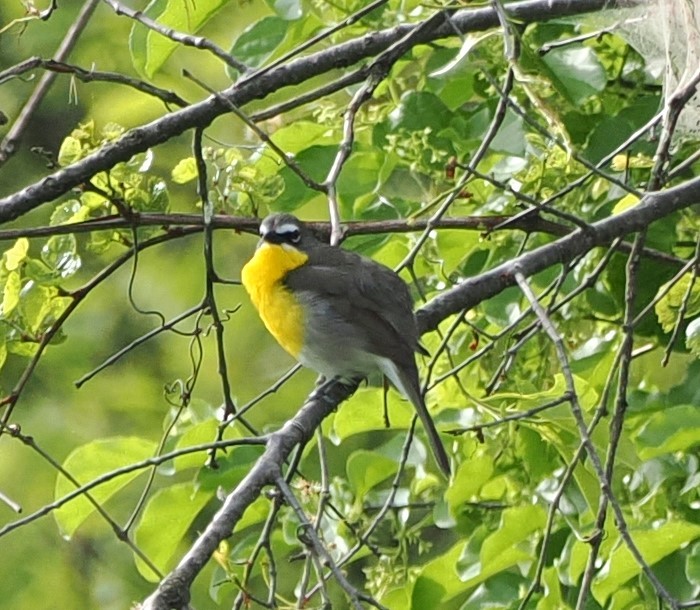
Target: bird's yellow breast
262,277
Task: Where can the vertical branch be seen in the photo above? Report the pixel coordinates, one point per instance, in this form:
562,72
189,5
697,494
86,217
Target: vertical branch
586,439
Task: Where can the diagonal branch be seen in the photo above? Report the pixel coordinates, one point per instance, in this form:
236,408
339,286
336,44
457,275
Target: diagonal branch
653,206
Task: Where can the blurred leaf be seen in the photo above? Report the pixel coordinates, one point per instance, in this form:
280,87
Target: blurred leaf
315,162
170,510
60,255
654,543
91,461
10,293
366,469
510,138
418,111
628,201
233,466
468,480
576,71
669,306
516,525
288,9
676,428
364,411
202,432
150,50
185,171
258,41
692,337
16,254
454,246
71,151
692,565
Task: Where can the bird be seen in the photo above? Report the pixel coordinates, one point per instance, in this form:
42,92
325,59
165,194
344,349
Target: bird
337,312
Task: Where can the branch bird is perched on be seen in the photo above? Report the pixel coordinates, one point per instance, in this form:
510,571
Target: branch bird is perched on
341,314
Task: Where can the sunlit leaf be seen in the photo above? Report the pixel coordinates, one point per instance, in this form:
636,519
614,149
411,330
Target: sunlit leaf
366,469
71,151
170,510
89,462
149,49
185,171
668,308
692,337
468,480
15,255
654,543
10,293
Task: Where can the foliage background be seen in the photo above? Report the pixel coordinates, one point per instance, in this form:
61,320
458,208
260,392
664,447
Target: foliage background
479,540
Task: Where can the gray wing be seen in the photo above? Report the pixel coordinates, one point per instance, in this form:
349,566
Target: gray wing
365,293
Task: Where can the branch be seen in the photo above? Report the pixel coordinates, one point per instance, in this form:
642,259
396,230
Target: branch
652,207
255,87
174,590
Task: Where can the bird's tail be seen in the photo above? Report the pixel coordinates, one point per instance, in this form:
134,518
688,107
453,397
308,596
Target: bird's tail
406,381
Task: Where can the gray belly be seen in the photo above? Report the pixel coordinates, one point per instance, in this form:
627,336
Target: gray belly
333,345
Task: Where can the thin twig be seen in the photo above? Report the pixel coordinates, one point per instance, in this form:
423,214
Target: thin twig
9,144
198,42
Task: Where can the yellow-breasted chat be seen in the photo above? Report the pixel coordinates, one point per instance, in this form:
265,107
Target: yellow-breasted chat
341,314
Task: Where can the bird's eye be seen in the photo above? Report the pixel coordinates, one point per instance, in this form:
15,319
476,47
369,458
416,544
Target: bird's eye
294,236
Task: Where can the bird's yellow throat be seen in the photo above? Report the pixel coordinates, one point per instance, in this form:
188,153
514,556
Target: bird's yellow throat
280,312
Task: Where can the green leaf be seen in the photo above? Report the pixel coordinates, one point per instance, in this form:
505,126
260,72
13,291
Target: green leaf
497,592
315,162
366,469
516,525
692,337
576,72
468,480
71,151
439,580
293,139
455,246
692,566
673,429
669,306
420,110
59,254
91,461
654,543
170,510
197,434
40,306
10,293
364,411
72,211
150,50
510,138
258,41
359,178
185,171
16,254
